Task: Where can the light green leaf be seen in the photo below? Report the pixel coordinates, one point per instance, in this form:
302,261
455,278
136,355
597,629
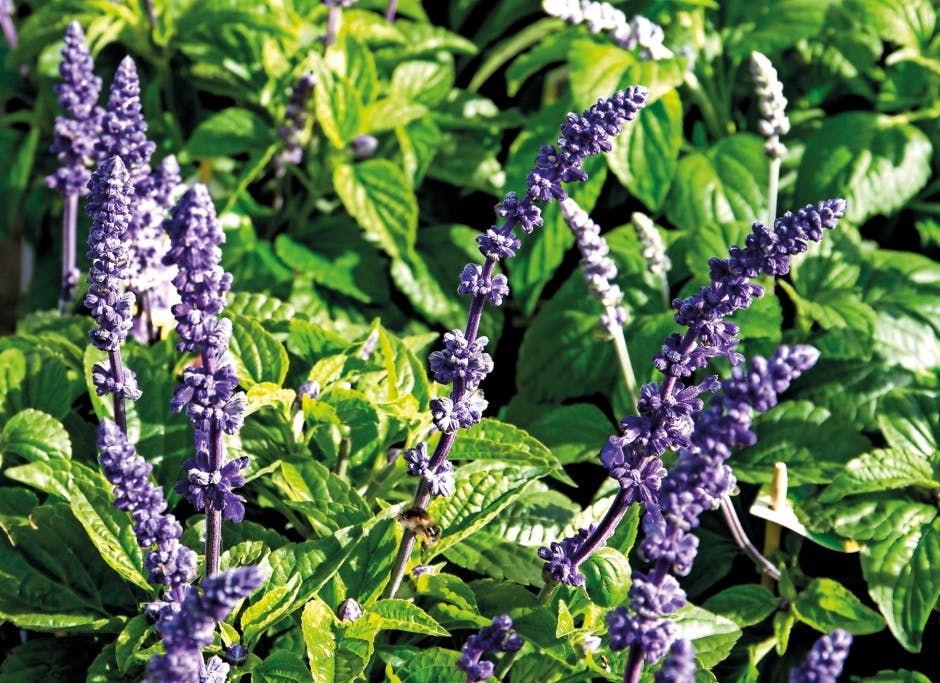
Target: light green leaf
33,435
419,141
317,622
333,273
402,615
227,133
902,577
880,470
353,60
378,195
338,107
909,23
259,356
783,24
876,163
387,114
910,423
607,577
712,635
898,676
745,604
425,82
645,155
827,605
281,667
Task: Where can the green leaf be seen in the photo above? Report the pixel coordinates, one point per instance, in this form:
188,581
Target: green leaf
724,184
52,660
607,577
333,273
898,676
414,278
909,23
791,433
550,49
880,470
903,580
425,82
745,605
876,163
353,60
378,195
644,157
38,380
259,356
316,623
402,615
281,667
229,132
712,635
338,108
782,24
419,141
387,114
355,646
429,665
572,432
909,422
875,517
130,641
33,435
827,605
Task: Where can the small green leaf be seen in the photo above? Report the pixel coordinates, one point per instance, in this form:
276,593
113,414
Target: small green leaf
333,273
419,141
745,605
827,605
281,667
876,163
33,435
780,25
898,676
338,108
229,132
909,23
387,114
712,635
402,615
607,577
378,195
880,470
258,355
316,623
425,82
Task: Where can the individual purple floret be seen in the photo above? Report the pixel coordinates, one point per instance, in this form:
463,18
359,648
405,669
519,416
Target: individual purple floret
310,389
440,482
77,130
475,283
492,639
170,563
188,627
600,271
679,665
295,119
211,489
349,610
461,359
363,146
339,3
824,662
236,654
123,128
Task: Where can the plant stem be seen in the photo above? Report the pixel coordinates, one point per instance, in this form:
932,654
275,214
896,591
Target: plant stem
333,20
117,372
623,357
390,10
741,538
216,456
772,190
69,221
705,106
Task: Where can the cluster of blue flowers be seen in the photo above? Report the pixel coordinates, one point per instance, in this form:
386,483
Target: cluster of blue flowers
295,119
824,662
493,639
639,33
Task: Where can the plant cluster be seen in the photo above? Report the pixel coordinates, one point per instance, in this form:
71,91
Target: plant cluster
246,436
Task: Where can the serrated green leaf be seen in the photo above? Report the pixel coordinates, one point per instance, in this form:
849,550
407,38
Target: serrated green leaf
909,422
724,184
430,665
281,667
827,605
607,577
414,278
783,24
898,676
130,641
332,273
572,432
872,517
745,605
402,615
418,141
52,660
365,573
877,164
258,355
229,132
376,193
338,108
880,470
645,155
316,623
909,23
423,81
274,603
902,578
353,60
712,635
33,435
550,49
783,625
388,113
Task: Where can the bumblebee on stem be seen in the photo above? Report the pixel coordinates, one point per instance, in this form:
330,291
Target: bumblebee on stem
421,523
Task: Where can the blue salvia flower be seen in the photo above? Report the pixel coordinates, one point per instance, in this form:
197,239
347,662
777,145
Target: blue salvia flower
170,563
77,130
599,268
363,146
825,660
495,638
665,419
463,361
189,626
698,482
679,665
772,103
123,128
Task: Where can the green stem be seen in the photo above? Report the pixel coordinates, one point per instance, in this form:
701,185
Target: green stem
626,367
545,596
773,186
705,105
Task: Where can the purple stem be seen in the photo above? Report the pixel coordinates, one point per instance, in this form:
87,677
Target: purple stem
117,372
69,222
332,25
216,453
390,10
9,29
151,14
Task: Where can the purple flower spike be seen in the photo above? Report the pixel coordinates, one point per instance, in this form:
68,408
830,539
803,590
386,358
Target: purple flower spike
206,488
109,207
824,662
77,131
440,482
492,639
295,119
679,665
123,129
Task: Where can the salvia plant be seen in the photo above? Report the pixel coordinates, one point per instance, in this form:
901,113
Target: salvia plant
465,341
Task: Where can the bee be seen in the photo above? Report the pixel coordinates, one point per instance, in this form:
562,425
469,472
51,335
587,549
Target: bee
422,524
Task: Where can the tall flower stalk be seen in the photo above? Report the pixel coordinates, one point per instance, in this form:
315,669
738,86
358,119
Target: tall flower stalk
6,23
108,205
334,19
825,660
76,133
463,362
208,392
774,122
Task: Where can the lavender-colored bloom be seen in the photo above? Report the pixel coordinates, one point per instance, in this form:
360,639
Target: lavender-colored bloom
170,563
123,128
679,665
295,119
461,359
492,639
105,383
600,271
772,105
216,670
187,627
560,563
6,23
349,610
495,245
599,17
109,207
653,638
363,146
475,283
310,388
824,662
211,489
236,654
654,249
440,481
76,132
